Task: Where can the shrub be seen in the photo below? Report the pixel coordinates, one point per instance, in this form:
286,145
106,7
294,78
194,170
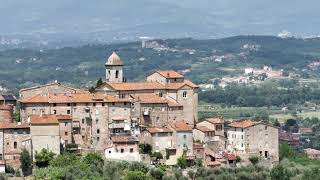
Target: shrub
136,175
182,162
238,159
156,173
43,158
254,160
145,148
157,155
26,162
10,169
93,159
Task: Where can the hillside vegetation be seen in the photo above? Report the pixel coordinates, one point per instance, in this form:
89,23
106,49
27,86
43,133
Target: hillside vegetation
83,65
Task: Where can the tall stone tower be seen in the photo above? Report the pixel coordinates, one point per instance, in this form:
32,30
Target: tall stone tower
114,69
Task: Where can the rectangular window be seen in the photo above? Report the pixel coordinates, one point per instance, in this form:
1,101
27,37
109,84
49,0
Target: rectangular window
54,111
68,104
68,112
66,133
82,121
54,104
94,104
131,150
98,131
15,144
102,104
122,150
1,158
65,123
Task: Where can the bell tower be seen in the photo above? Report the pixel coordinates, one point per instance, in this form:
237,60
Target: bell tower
114,69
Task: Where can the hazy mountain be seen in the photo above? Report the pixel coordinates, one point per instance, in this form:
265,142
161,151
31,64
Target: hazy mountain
107,20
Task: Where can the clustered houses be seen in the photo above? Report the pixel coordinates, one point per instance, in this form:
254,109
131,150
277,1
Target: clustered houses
120,115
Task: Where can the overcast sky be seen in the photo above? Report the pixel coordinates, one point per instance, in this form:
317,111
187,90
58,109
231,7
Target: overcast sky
216,16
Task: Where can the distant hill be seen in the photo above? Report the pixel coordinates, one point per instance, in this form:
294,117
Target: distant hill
110,20
198,59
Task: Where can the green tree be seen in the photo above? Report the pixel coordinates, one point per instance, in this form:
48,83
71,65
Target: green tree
136,175
182,162
238,159
92,89
156,173
93,159
99,82
285,151
254,160
26,162
280,173
43,158
145,148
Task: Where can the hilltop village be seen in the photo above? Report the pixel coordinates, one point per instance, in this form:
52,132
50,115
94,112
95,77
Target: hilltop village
119,119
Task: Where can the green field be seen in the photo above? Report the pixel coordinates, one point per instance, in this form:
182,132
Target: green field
215,110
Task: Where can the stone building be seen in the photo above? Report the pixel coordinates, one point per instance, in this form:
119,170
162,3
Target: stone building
123,148
182,93
6,113
90,114
14,137
247,138
117,108
211,132
160,138
45,133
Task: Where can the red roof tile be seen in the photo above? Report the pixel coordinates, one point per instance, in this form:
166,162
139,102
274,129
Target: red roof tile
230,156
169,74
204,129
242,124
135,86
73,98
158,130
5,125
180,126
48,119
215,120
124,139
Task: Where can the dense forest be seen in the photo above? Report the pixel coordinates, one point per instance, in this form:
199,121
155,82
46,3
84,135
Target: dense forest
83,65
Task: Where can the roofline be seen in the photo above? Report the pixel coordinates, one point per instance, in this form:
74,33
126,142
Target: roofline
157,71
44,85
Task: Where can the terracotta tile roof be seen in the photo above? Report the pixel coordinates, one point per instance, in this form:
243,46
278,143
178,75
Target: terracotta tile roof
49,84
169,74
180,126
179,85
215,120
5,125
204,129
124,139
48,119
72,98
149,98
310,151
230,156
158,130
135,86
242,124
173,103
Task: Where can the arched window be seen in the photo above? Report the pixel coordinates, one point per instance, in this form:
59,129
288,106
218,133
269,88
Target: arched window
117,74
184,94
